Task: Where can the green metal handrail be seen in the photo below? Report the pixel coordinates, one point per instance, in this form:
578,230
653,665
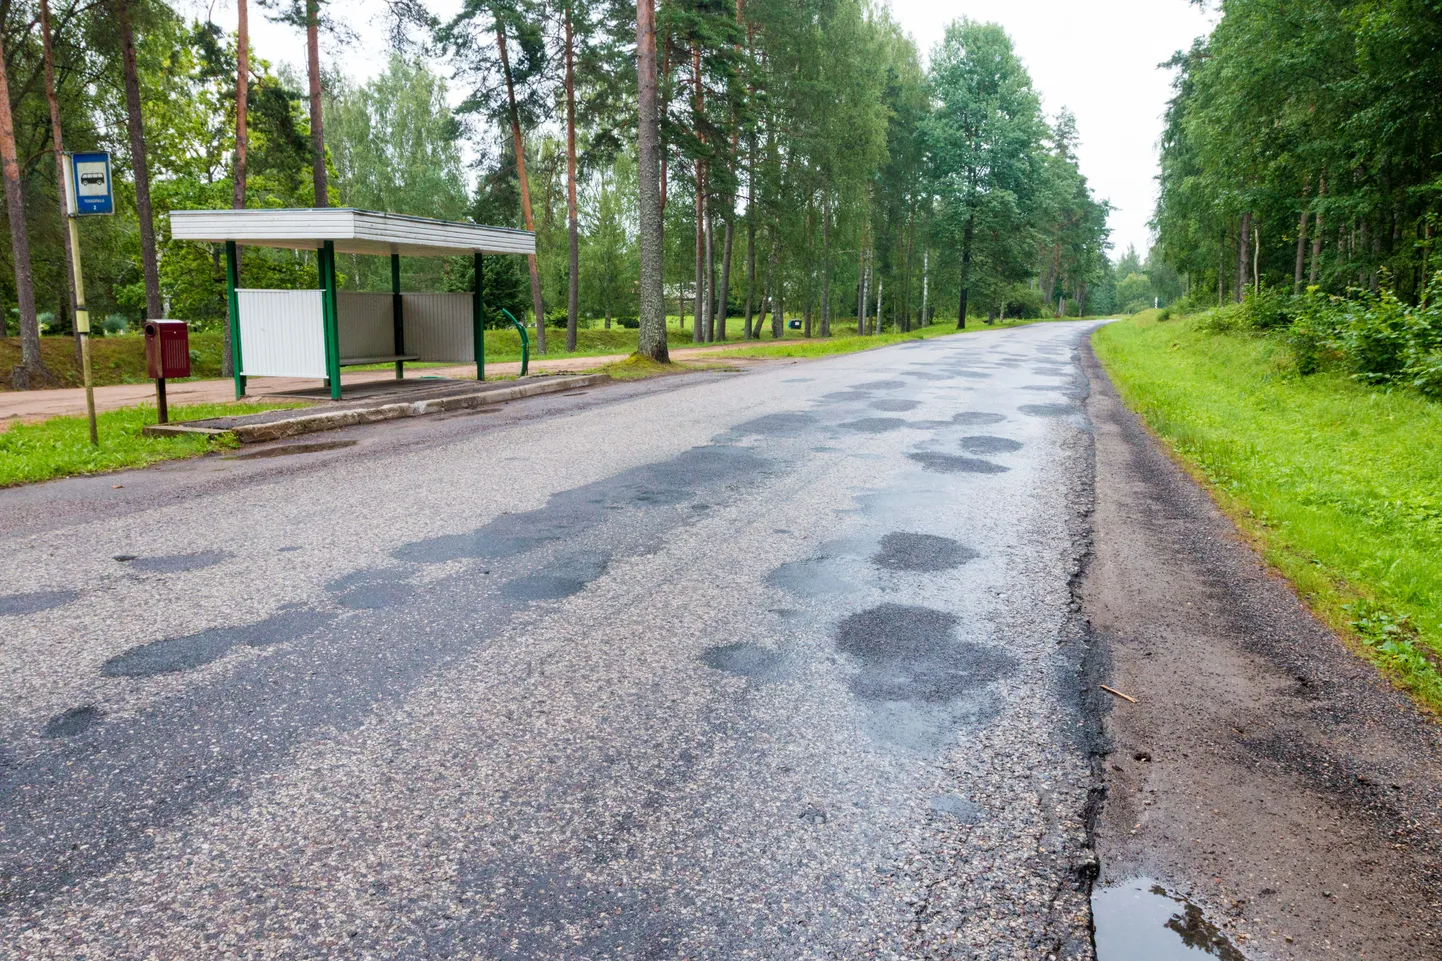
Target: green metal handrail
525,341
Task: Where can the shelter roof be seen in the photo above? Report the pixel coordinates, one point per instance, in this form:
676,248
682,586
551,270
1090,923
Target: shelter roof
352,231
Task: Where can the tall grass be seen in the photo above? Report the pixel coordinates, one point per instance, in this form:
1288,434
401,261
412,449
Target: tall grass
1339,483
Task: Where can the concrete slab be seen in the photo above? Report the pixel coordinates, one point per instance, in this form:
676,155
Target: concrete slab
421,398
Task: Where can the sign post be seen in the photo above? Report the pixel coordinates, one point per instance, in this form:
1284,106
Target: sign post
90,193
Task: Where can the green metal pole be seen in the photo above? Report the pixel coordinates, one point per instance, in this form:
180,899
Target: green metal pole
478,316
398,320
232,272
331,321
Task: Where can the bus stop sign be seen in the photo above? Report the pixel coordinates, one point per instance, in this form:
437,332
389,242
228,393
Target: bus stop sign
91,187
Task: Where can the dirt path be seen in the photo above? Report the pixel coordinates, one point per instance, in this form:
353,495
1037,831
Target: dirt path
1266,773
33,405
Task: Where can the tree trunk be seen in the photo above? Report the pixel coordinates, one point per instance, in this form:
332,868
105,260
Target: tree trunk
861,294
1256,261
651,339
1243,257
710,276
778,309
31,372
317,129
57,144
698,105
750,261
925,283
966,238
724,291
768,303
826,267
520,149
880,289
242,144
1317,233
573,305
149,268
698,331
666,83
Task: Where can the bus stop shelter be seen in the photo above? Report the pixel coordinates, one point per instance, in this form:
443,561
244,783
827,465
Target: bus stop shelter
316,332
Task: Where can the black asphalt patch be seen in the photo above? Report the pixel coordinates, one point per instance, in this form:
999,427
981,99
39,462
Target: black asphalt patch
178,563
786,424
902,551
173,654
906,653
567,514
988,444
955,464
373,589
881,385
874,425
560,579
1047,410
34,602
977,418
75,721
896,406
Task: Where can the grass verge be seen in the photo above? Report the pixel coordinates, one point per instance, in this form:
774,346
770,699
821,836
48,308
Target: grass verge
1339,486
60,446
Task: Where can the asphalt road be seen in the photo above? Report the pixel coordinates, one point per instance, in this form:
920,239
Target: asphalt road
777,664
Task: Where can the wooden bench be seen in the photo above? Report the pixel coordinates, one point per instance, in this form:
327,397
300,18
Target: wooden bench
379,359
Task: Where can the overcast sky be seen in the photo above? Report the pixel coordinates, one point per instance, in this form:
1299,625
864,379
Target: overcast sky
1097,57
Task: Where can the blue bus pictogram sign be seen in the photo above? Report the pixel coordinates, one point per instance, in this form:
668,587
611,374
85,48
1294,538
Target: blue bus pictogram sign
91,184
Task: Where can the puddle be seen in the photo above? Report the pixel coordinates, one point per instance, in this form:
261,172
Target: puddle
34,602
956,806
310,448
881,385
847,395
744,660
1139,920
809,577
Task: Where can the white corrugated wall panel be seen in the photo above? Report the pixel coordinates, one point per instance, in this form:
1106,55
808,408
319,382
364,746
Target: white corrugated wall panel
367,328
281,333
438,327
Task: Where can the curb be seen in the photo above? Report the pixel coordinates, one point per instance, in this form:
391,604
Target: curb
312,423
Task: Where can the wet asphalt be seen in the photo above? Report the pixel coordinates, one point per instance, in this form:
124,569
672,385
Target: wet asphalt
775,664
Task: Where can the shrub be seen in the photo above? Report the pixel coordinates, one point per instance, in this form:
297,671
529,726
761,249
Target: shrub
630,323
1317,320
1265,309
1222,320
1375,337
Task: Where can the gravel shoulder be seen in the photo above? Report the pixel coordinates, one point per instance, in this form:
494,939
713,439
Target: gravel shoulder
1266,773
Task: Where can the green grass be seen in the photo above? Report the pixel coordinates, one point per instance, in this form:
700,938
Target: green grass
1338,485
60,447
850,343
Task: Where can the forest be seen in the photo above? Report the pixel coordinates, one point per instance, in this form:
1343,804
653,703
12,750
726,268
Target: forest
1301,178
806,163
